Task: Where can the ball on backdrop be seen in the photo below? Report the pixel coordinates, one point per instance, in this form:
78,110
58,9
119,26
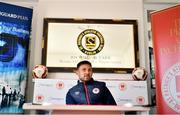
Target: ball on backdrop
139,73
40,71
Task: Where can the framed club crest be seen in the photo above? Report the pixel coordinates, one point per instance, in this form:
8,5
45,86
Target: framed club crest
110,45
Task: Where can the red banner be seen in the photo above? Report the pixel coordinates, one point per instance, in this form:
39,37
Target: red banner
166,43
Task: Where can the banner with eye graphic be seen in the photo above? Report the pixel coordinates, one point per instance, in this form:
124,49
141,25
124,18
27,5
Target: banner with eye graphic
15,26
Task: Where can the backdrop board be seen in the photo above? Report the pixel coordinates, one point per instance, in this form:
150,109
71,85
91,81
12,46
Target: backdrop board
53,91
15,26
110,45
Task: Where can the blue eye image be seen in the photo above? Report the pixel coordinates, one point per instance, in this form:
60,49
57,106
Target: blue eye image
8,47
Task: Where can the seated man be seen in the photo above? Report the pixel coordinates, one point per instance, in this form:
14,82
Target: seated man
88,91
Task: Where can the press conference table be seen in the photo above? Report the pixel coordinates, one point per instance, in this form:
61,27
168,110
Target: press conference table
85,109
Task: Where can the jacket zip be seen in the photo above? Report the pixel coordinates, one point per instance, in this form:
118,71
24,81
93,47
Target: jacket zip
87,94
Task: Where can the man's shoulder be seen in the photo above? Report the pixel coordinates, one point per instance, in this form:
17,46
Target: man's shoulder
74,87
100,83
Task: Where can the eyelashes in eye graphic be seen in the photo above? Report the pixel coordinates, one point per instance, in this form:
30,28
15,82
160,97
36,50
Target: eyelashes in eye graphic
9,46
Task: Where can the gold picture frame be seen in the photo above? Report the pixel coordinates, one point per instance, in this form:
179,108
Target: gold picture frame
110,45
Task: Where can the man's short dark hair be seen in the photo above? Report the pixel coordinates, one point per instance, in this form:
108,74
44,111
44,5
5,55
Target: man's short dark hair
83,62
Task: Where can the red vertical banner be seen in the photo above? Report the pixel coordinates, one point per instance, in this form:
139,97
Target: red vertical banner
166,44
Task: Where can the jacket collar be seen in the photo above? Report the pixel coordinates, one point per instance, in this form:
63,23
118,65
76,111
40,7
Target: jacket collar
88,82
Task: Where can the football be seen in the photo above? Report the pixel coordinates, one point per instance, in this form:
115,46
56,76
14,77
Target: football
139,73
40,71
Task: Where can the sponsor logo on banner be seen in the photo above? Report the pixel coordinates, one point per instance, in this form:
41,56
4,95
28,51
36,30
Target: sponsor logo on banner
39,98
90,41
140,100
60,85
122,86
171,87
